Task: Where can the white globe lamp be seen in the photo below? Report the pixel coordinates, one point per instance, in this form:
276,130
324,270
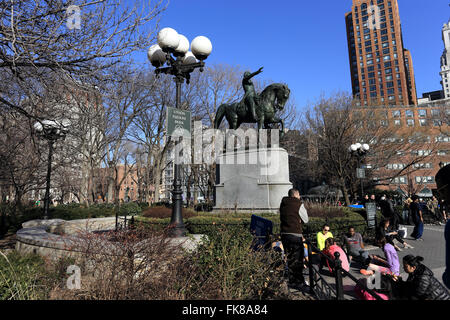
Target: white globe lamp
156,56
189,58
168,39
201,47
183,45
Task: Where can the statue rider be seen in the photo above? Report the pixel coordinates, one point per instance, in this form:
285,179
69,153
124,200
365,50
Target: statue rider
251,99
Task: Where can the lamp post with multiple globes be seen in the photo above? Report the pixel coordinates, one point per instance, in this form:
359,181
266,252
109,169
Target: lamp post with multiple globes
173,50
50,130
359,151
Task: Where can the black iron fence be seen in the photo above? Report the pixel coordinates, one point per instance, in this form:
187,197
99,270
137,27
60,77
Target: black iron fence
324,290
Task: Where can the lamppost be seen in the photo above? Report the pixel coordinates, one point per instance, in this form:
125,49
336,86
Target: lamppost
52,131
172,49
359,150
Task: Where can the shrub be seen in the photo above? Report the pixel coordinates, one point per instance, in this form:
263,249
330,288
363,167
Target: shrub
164,212
226,268
223,267
130,209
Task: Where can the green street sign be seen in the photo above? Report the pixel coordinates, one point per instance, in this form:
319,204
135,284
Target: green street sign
178,122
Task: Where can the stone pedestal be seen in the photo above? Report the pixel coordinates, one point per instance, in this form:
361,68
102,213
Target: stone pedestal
252,180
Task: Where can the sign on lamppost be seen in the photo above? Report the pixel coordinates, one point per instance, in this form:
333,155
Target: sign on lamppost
371,211
360,173
178,122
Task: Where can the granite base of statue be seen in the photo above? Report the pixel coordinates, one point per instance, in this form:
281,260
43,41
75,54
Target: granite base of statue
252,181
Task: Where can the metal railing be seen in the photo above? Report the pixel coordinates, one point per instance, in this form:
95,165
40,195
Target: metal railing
321,288
317,283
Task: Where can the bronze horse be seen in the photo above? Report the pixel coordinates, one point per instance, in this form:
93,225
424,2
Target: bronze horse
271,99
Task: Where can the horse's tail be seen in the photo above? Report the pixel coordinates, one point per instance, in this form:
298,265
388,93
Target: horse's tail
219,116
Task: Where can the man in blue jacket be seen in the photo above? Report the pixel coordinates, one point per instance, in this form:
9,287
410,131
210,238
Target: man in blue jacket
446,276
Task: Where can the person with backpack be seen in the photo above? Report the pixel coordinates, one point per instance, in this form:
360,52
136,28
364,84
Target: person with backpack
421,283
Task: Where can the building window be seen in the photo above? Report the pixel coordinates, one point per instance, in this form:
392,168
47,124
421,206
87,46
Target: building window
409,114
427,179
423,122
410,122
397,122
442,138
396,113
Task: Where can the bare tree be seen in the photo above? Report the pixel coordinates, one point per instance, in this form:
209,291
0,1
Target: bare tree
39,42
336,124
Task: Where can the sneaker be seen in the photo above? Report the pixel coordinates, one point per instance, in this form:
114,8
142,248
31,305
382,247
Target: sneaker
408,246
366,272
420,239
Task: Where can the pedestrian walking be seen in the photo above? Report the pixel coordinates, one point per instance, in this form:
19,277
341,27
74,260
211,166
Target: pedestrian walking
417,218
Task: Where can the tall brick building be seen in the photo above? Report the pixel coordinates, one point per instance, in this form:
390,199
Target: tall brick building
381,68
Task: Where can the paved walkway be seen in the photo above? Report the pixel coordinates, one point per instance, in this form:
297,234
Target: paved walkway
432,249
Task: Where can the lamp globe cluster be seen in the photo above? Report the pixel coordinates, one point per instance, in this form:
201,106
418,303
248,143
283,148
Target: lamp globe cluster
358,147
171,42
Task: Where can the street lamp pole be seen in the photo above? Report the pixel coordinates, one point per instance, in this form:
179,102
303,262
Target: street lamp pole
52,131
180,66
49,172
359,150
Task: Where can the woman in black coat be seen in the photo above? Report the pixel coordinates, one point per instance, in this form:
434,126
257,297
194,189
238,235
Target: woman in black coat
421,283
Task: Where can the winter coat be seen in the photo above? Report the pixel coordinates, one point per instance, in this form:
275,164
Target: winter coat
422,285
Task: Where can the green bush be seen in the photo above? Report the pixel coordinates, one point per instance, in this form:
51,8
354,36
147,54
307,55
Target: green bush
210,223
130,209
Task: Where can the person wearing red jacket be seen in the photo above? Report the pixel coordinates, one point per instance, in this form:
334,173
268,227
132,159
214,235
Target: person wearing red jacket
330,249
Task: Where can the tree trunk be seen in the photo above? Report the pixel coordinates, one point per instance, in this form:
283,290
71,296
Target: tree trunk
345,192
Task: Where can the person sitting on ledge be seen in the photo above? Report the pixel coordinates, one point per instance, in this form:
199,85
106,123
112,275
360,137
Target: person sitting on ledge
385,230
330,249
421,283
389,265
355,247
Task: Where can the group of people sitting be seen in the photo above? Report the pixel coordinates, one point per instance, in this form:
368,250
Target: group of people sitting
421,283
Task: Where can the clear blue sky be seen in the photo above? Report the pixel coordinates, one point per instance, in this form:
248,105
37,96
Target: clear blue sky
304,43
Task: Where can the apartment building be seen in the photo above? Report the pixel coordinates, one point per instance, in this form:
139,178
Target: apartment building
381,68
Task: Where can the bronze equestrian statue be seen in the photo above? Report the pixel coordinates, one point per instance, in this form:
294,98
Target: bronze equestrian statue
255,108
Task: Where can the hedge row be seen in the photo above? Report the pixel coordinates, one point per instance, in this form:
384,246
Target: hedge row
67,212
210,224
